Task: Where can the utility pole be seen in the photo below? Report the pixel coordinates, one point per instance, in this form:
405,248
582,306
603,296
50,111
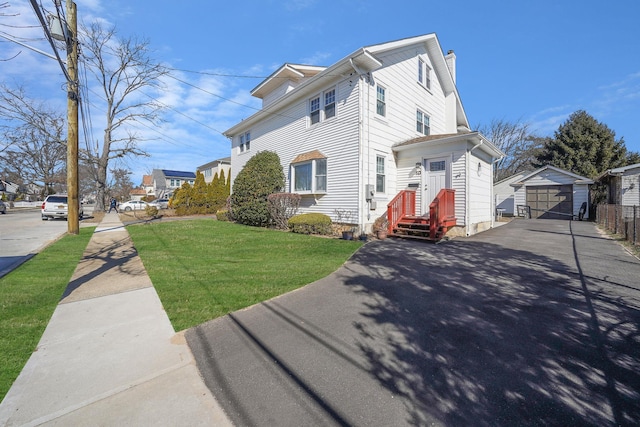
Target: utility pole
73,222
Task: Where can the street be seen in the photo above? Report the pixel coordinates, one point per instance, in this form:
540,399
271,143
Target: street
23,234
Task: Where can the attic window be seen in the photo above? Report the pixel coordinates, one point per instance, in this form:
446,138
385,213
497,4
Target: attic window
424,73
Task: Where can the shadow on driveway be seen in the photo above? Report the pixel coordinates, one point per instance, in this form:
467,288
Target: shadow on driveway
533,323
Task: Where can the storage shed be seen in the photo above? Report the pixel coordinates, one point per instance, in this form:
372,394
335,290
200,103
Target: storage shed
551,193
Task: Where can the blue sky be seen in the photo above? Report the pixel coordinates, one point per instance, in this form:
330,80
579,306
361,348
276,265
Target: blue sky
534,61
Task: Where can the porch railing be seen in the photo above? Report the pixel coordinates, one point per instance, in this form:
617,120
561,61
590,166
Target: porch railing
442,210
402,205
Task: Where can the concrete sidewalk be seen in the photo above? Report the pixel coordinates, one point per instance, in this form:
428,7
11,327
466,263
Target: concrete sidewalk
109,355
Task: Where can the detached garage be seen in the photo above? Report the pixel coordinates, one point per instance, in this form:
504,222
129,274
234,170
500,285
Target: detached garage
552,193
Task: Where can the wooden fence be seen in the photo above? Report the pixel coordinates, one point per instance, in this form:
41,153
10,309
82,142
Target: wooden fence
622,220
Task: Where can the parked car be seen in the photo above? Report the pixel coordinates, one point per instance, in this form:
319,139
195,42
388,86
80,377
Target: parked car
160,203
56,206
133,205
3,207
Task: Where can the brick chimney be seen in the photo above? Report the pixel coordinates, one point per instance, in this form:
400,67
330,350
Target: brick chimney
451,63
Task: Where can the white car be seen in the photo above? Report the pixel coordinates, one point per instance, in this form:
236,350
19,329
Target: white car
133,205
160,203
56,206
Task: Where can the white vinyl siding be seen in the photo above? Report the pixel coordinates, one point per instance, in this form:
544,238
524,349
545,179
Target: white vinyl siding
289,135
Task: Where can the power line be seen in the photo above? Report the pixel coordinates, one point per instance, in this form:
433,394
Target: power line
47,34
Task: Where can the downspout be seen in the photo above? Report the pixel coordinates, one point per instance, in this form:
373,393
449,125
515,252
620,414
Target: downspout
361,142
467,217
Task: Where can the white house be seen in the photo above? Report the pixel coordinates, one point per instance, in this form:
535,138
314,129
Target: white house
623,185
548,193
209,170
386,121
165,181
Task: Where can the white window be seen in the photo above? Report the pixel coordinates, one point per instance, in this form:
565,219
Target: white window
380,176
322,107
424,73
329,104
310,177
422,123
245,142
175,183
381,101
315,110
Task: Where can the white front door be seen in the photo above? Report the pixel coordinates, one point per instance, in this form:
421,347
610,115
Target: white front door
435,180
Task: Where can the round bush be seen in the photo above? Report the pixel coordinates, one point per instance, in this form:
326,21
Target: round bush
261,176
310,223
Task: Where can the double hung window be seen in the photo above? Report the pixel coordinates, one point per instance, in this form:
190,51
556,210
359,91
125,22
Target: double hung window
422,123
424,73
245,142
381,101
380,176
322,107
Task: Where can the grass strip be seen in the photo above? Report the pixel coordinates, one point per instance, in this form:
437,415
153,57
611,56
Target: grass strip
203,269
28,297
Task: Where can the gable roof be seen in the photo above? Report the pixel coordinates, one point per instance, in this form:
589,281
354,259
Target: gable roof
578,179
178,174
620,170
362,61
214,163
287,71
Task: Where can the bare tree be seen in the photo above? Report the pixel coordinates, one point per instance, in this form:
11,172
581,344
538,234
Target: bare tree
517,142
123,68
32,145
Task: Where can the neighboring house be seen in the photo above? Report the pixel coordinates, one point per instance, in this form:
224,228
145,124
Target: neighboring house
165,181
385,121
623,185
147,185
504,194
10,189
548,193
209,170
137,194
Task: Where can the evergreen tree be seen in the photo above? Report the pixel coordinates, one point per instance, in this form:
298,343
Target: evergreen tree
199,195
583,146
262,175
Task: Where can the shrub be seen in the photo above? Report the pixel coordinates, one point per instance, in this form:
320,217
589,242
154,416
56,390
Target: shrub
283,206
262,175
223,215
310,223
151,211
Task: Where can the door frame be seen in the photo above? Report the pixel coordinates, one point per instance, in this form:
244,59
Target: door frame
425,192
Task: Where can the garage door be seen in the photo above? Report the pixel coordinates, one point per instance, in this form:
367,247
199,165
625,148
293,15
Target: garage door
551,201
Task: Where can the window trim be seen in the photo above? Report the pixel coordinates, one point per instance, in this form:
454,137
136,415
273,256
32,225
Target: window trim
381,189
313,178
245,142
424,74
424,124
381,102
322,108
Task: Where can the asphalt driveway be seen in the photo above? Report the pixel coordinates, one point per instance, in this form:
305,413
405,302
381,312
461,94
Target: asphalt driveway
532,323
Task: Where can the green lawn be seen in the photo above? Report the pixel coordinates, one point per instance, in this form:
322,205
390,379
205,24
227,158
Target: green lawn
203,269
28,297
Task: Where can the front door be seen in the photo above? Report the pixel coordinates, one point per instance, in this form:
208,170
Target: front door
435,180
